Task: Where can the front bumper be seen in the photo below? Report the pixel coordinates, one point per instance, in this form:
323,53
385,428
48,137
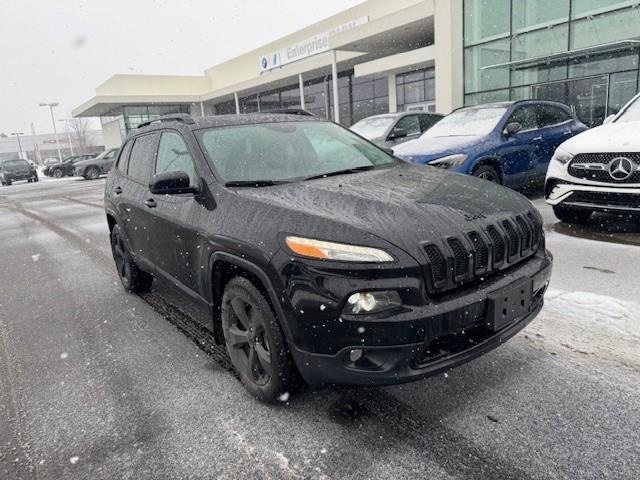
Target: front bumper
564,189
400,349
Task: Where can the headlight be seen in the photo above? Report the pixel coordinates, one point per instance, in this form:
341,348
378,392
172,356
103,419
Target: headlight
319,250
364,303
562,156
451,161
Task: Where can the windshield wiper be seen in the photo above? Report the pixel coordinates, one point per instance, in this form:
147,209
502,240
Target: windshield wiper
255,183
346,171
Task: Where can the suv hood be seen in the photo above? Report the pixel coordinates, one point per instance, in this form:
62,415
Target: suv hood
614,137
404,206
426,149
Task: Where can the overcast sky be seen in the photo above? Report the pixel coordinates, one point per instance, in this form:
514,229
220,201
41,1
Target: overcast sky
60,50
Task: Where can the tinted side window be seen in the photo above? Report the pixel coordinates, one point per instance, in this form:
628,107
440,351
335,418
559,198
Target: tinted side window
173,156
428,121
121,164
549,115
410,124
141,158
525,116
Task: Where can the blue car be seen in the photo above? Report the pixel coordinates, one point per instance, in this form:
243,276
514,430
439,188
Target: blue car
508,142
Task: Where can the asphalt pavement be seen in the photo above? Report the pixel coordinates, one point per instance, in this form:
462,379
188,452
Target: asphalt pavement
96,383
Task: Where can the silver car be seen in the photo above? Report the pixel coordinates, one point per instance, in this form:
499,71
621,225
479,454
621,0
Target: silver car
392,129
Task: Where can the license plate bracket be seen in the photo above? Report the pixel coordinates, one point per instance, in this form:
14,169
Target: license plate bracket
509,304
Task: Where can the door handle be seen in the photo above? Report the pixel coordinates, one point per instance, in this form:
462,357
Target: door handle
537,139
567,133
117,190
151,203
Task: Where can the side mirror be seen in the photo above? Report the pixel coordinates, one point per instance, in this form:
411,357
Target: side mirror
512,128
609,119
398,133
171,183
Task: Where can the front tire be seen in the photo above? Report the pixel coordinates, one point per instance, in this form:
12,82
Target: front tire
256,345
573,216
134,280
487,172
57,174
92,173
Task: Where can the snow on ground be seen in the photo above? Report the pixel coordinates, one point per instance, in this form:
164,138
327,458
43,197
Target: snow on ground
589,324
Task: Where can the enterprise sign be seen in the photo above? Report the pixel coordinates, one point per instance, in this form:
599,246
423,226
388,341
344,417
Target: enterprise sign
307,48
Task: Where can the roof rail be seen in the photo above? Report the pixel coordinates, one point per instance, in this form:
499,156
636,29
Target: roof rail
293,111
172,117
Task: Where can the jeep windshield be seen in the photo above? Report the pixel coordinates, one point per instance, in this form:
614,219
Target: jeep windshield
271,153
474,122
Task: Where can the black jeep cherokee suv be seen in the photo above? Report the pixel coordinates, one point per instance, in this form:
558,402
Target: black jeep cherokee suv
319,254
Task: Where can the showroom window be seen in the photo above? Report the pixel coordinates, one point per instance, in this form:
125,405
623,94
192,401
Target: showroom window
415,88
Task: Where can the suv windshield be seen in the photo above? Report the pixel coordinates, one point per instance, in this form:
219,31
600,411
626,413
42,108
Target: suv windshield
467,122
632,113
288,151
373,127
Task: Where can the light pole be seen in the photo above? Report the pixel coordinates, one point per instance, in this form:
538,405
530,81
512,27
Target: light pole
51,106
66,121
17,135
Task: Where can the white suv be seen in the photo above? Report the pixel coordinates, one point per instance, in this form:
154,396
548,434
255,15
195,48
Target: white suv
598,170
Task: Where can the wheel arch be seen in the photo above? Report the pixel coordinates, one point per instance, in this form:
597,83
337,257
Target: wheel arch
491,161
225,266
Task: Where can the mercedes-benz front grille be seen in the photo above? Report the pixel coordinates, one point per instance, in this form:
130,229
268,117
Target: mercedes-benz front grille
481,252
620,168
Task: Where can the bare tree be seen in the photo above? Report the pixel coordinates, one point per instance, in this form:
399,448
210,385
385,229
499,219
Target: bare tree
79,134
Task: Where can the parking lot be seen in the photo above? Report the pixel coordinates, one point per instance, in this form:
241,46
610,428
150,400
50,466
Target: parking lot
98,383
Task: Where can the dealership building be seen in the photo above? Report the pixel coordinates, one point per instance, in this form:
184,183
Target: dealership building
407,55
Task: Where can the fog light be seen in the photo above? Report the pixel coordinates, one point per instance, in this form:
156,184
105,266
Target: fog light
362,303
355,355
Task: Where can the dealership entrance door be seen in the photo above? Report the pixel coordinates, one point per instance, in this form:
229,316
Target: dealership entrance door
587,97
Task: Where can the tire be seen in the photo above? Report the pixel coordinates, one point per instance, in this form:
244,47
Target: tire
57,173
134,280
256,345
8,183
36,179
574,216
92,173
487,172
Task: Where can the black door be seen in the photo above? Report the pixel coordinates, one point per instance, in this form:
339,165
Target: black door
177,250
134,192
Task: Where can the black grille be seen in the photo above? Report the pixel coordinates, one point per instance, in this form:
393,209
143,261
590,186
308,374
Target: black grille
480,252
500,245
460,258
603,159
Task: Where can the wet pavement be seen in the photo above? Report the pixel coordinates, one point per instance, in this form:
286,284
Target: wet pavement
96,383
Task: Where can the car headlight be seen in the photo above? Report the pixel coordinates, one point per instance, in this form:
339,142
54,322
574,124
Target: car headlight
363,303
451,161
562,156
320,250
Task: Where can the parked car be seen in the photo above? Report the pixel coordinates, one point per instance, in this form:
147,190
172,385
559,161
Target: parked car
15,170
92,169
509,142
65,168
598,170
316,253
393,129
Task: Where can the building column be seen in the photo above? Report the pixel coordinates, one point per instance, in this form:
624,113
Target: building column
235,96
393,93
202,109
301,87
449,55
336,95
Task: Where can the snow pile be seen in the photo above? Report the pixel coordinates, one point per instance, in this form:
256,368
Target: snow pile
590,324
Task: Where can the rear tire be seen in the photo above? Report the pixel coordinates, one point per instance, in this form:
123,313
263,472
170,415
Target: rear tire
487,172
256,345
134,280
574,216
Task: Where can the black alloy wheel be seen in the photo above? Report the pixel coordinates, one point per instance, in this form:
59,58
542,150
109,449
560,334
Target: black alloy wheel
92,173
133,279
255,342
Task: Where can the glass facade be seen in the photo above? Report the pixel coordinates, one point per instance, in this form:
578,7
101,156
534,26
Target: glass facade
359,98
508,44
416,88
